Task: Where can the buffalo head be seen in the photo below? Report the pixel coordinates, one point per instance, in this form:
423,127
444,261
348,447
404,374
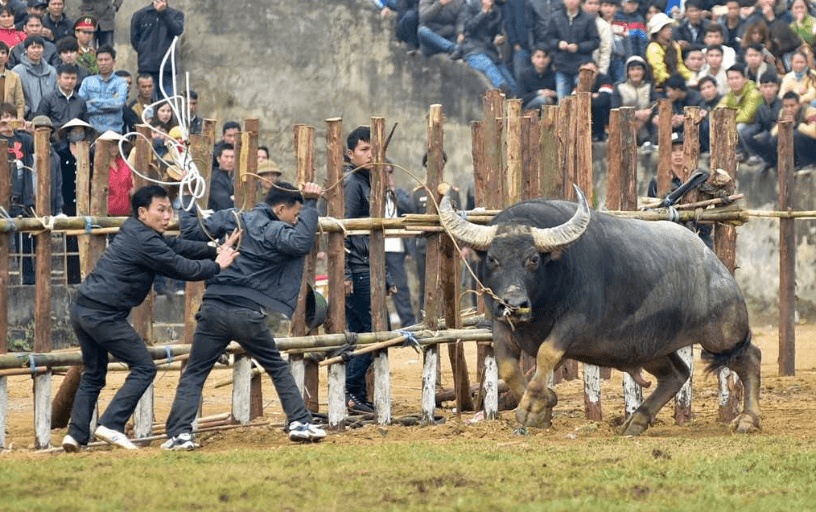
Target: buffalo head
513,255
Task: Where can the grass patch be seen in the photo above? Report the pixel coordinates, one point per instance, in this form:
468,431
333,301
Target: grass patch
727,473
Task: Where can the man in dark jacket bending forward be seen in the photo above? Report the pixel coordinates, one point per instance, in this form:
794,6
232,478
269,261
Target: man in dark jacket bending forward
121,280
277,234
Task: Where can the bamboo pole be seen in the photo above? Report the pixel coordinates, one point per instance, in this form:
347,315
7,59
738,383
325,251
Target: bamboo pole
787,254
365,350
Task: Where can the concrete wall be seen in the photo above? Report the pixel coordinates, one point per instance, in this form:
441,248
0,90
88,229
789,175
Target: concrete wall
288,62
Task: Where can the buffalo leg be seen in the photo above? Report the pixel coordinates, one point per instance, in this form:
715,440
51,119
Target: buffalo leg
507,356
535,407
671,373
747,366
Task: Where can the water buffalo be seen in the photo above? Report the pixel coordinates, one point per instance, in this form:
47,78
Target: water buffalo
566,282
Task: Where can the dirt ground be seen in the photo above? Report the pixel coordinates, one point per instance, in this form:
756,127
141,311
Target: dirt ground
787,404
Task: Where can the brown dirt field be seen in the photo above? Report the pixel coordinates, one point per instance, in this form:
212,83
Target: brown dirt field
787,405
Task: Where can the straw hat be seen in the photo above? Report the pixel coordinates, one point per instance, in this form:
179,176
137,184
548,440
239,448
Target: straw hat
73,123
268,167
111,136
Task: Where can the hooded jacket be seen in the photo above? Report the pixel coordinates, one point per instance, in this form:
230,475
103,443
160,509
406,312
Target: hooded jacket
37,81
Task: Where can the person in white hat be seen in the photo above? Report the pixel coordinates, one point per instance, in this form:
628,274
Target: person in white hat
663,54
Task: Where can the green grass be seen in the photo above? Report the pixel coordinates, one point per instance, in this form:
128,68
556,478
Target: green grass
534,473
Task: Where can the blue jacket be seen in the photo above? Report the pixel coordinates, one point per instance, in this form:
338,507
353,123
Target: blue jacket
124,274
269,269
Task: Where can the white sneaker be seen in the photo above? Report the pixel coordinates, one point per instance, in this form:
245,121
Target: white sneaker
113,437
182,442
305,432
69,444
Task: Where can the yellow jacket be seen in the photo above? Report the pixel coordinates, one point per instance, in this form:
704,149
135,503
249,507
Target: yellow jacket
808,84
655,56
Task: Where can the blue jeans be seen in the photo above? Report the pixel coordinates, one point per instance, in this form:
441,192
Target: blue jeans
565,83
432,43
358,319
218,324
521,61
407,28
498,74
101,332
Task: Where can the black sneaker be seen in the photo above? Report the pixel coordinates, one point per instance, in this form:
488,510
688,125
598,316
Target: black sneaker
355,404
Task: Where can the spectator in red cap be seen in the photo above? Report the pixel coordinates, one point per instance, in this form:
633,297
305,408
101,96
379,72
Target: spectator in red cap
84,30
104,13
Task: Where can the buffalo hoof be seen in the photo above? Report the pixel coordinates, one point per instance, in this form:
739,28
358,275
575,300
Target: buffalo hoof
535,408
636,424
539,419
745,424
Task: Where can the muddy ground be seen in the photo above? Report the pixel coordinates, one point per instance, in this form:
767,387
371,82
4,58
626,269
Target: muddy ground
787,402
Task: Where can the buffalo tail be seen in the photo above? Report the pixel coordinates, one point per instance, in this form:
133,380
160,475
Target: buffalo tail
716,362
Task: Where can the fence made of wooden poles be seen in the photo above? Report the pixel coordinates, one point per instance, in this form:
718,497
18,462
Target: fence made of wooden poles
724,156
336,269
787,253
306,370
5,241
433,178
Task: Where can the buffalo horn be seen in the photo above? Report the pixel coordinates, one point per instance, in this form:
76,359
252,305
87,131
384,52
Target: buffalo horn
478,237
559,237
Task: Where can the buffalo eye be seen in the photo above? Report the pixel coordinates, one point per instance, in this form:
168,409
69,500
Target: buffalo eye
492,262
533,262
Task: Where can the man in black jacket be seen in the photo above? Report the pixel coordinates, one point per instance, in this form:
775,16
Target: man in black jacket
120,281
152,30
572,36
277,234
63,104
222,189
357,195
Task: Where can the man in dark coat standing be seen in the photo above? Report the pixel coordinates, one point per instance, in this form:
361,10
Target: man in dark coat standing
572,36
120,281
152,30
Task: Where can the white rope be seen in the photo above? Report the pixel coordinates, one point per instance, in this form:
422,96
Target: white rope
192,184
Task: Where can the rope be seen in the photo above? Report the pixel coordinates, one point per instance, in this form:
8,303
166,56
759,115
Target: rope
88,224
168,350
32,363
410,340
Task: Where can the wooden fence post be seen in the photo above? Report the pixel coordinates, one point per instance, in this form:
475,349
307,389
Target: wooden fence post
430,368
42,301
724,156
664,131
336,268
5,199
305,173
787,254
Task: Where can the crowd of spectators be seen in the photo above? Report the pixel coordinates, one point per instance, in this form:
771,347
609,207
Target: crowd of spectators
704,53
61,73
